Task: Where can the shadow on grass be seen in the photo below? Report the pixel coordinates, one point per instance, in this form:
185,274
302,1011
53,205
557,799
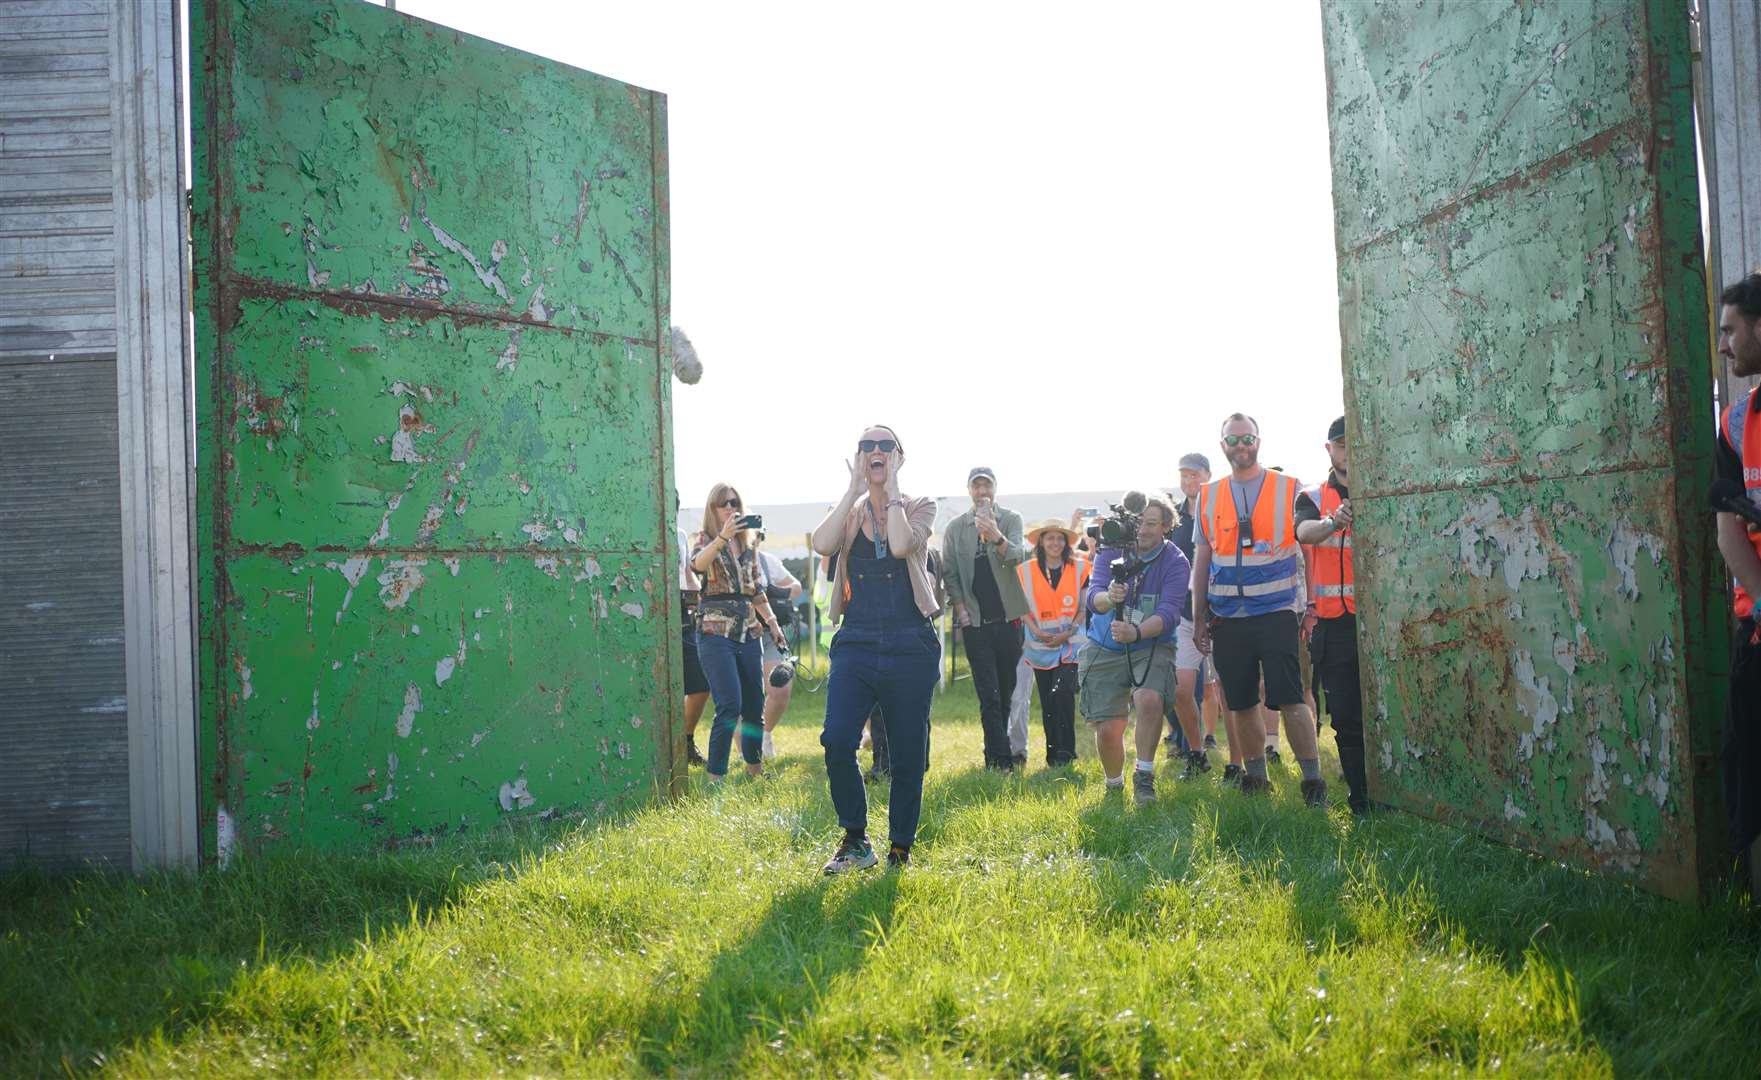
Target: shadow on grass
775,979
92,962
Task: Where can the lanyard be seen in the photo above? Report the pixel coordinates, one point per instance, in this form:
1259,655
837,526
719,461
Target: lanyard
880,543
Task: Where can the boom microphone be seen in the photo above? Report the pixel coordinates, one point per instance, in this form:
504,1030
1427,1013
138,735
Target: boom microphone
685,363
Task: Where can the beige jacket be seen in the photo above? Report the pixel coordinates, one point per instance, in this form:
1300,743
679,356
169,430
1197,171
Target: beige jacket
921,513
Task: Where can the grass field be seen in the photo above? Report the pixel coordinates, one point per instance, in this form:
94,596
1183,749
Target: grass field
1041,930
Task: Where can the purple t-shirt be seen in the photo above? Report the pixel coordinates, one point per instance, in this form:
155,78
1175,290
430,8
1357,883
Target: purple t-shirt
1159,590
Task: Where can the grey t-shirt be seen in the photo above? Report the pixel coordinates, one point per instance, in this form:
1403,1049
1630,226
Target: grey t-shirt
1246,495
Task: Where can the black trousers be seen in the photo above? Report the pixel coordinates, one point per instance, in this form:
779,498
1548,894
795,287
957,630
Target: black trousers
994,651
1057,711
1742,738
1333,652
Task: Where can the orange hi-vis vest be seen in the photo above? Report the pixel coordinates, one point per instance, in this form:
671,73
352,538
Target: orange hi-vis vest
1257,570
1330,572
1052,609
1744,438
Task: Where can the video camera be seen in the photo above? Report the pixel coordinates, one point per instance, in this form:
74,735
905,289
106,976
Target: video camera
1119,530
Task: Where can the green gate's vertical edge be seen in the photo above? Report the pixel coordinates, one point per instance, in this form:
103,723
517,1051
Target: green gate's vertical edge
670,775
206,83
1682,264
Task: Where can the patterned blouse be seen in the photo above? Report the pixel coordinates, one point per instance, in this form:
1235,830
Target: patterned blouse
727,575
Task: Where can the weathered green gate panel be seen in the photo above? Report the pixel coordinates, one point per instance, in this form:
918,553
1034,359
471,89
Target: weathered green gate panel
437,581
1522,312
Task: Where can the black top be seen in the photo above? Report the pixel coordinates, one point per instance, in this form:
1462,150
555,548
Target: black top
1306,510
1729,466
1184,540
984,590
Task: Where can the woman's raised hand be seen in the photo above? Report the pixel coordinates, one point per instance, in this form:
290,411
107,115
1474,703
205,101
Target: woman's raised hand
730,526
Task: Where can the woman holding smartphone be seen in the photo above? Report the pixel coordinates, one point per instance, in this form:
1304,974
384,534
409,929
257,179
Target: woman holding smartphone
731,613
885,651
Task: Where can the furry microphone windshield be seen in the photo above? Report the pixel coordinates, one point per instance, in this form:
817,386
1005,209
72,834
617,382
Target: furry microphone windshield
685,363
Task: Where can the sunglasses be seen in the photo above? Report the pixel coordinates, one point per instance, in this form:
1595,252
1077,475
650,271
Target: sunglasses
1240,440
734,503
885,446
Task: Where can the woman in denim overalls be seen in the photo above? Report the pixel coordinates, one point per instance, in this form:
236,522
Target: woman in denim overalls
885,650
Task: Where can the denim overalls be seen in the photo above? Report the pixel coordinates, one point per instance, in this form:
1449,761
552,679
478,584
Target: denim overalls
885,651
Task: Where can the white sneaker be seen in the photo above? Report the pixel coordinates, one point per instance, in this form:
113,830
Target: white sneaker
770,748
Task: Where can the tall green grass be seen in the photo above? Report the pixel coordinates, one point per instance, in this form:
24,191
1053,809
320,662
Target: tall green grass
1043,929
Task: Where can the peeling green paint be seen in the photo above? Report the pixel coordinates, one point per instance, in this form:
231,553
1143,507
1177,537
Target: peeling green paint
1521,308
436,581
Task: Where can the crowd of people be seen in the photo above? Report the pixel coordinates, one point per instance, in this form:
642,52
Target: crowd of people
1133,614
1137,614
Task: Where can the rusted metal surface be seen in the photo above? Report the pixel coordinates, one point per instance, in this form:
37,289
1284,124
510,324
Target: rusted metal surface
1522,313
437,587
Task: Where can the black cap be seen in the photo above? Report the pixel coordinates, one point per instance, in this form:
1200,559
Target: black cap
1337,430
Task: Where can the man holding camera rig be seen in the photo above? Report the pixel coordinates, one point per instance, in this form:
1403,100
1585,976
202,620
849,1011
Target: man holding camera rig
1138,587
980,552
1251,565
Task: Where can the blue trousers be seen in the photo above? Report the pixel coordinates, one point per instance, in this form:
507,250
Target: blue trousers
903,685
736,685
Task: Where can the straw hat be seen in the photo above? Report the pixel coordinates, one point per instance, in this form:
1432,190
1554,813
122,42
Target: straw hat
1052,525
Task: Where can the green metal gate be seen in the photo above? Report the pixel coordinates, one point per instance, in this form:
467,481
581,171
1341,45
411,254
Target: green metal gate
437,584
1522,307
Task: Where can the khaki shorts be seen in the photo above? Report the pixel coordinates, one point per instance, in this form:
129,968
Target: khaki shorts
1107,678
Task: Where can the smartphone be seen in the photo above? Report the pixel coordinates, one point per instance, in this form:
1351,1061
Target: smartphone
1089,511
752,521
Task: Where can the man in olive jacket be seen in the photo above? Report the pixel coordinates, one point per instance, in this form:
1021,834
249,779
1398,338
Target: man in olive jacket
980,551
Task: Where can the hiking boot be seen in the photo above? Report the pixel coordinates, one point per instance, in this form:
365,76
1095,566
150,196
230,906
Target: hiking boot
898,857
1198,763
692,757
1232,774
1018,763
1314,793
1255,785
1210,742
1273,759
1143,787
853,854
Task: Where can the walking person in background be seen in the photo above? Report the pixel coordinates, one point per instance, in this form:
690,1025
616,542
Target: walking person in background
1189,663
731,614
696,682
1249,565
782,589
1054,580
1129,659
885,651
980,552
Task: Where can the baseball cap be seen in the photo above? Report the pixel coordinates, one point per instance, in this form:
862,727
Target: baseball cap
1195,461
981,470
1336,430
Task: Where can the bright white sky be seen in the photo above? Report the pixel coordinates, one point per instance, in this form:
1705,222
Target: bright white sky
1064,244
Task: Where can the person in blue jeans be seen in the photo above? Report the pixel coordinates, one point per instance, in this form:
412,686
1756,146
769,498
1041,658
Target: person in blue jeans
731,612
885,651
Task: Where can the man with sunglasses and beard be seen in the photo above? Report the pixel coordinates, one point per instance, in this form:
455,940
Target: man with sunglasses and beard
1248,592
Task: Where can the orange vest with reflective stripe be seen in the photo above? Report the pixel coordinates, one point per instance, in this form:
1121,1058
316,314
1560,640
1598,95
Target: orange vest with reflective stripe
1330,571
1739,431
1053,609
1266,575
